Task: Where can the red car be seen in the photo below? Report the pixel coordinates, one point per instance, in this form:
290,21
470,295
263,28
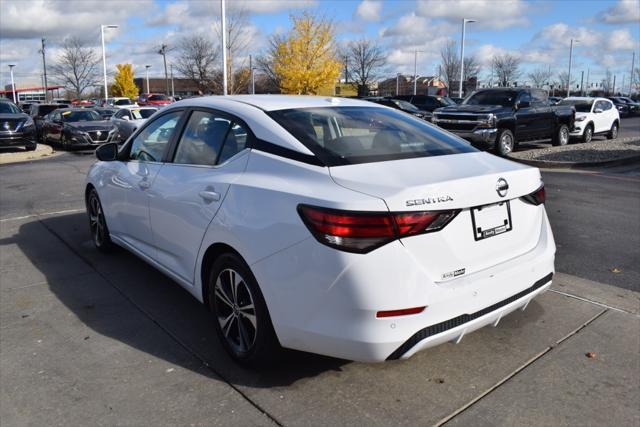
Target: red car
156,99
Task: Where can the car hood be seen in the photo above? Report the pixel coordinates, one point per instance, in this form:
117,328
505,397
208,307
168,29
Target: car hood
94,125
12,116
477,109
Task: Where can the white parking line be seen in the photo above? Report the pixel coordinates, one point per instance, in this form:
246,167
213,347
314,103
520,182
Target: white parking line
43,214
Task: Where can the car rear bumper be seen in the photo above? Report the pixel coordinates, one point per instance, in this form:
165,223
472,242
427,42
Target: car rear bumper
325,301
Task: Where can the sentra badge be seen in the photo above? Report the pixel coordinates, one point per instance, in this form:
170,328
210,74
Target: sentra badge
429,200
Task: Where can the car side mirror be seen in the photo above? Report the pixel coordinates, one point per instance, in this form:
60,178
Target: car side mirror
598,110
107,152
523,104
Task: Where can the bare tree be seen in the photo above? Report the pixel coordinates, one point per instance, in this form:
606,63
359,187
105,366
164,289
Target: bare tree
563,80
540,76
450,67
365,60
197,60
506,67
237,42
271,82
607,86
76,67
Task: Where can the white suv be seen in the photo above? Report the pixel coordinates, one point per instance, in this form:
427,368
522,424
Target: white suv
594,116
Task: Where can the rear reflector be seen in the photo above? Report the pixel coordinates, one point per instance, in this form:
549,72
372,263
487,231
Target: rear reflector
536,198
362,232
403,312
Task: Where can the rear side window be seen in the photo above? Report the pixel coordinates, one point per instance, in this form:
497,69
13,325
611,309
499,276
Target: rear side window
366,134
539,96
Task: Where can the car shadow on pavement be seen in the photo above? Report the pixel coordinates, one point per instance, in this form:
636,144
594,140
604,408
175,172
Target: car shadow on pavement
139,293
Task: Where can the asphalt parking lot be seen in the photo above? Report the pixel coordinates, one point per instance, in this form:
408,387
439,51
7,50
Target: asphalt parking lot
94,339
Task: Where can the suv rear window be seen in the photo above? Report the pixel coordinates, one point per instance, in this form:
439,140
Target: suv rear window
350,135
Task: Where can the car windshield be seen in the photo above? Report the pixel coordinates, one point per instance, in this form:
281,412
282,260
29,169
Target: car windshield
158,98
43,110
143,113
80,116
9,108
123,102
446,100
351,135
407,106
581,105
505,98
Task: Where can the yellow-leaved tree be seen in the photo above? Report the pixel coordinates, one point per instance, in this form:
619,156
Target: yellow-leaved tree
124,85
305,61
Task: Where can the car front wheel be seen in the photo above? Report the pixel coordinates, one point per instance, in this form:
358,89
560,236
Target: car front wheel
587,136
241,317
98,224
505,142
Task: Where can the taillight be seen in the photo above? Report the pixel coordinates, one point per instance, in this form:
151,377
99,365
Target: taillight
362,232
536,198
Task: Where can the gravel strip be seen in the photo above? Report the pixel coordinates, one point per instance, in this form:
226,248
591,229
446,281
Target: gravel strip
598,150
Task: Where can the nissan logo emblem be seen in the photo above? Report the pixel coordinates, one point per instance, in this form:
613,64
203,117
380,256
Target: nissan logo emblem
502,187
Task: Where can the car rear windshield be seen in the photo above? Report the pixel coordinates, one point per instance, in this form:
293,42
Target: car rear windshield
505,98
123,102
582,106
9,108
350,135
158,98
143,114
80,116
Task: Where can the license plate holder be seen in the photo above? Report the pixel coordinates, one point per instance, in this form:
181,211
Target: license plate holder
491,220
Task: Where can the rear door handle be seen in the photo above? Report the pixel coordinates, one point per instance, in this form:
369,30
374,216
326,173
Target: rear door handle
209,196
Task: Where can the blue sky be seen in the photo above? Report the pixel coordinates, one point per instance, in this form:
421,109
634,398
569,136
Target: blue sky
537,31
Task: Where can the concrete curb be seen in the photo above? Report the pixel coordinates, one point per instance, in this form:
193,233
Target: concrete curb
42,151
548,164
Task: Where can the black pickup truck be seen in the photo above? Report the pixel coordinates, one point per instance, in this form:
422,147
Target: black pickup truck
502,117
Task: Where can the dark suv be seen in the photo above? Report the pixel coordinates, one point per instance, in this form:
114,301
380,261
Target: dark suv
427,102
37,113
16,128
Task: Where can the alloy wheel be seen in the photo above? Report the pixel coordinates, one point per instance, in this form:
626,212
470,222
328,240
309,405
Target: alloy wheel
564,136
588,134
96,221
235,311
614,131
506,141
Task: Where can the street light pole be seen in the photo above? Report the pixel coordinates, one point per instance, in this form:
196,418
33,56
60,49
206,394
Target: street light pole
464,24
146,67
397,84
570,60
415,71
104,60
163,52
13,85
633,63
253,81
224,47
173,89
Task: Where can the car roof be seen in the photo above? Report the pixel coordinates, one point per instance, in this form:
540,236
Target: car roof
135,107
275,102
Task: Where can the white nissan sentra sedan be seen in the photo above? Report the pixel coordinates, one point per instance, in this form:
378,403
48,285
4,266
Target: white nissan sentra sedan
334,226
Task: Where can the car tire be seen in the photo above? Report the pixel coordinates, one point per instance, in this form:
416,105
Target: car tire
613,132
561,137
505,142
63,142
31,147
587,135
241,317
98,224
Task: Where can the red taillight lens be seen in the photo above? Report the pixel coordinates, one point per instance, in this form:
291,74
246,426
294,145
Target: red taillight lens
536,198
362,232
403,312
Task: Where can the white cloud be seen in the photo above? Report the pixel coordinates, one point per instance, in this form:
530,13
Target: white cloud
625,11
369,10
622,40
491,14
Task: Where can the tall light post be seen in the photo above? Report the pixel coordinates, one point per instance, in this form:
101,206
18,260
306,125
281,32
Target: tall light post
173,89
146,69
224,47
397,84
104,59
464,24
570,61
13,85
